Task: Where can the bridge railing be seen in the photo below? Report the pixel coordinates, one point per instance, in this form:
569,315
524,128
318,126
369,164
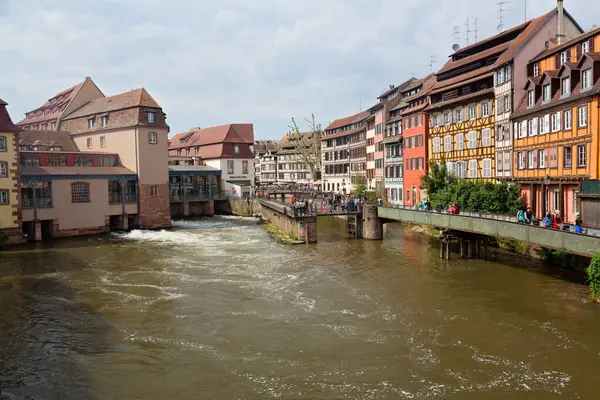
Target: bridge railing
499,217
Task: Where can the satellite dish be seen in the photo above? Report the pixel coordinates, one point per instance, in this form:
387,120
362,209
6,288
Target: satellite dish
500,27
455,46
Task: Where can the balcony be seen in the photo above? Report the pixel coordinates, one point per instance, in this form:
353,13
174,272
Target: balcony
394,180
394,160
178,197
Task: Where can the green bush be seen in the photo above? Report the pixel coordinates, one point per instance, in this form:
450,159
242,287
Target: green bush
516,246
593,272
443,188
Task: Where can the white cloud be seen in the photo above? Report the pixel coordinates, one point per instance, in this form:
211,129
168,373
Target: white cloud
262,61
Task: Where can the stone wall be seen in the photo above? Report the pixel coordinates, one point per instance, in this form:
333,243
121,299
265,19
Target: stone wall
302,228
154,210
245,208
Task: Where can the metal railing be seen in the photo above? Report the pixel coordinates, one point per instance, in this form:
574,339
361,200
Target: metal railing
44,202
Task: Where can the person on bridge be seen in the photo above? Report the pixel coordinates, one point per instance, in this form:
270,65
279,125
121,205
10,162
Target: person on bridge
557,222
521,216
529,216
548,221
578,228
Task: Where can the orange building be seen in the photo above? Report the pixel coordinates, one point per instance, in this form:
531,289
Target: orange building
556,125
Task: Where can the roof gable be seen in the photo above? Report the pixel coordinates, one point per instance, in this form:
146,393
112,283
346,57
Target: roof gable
134,98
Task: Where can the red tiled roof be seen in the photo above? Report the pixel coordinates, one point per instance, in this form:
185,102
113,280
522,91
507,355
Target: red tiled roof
343,133
48,138
468,77
492,38
53,113
516,44
220,150
133,98
566,44
58,171
6,124
229,133
338,123
411,110
461,98
451,65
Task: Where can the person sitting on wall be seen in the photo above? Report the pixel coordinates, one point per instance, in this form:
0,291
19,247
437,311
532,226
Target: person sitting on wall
548,221
439,208
578,228
521,216
529,216
557,222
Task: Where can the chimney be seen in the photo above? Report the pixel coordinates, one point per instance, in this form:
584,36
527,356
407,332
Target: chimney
561,21
391,86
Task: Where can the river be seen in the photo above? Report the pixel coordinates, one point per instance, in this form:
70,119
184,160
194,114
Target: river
215,309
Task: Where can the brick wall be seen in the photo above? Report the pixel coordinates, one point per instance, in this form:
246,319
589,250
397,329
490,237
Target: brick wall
154,211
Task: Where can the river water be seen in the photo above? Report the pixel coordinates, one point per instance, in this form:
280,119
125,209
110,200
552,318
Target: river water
215,309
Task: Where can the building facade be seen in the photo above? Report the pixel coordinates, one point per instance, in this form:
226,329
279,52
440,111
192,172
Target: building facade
261,148
10,208
228,148
344,153
557,128
268,168
292,167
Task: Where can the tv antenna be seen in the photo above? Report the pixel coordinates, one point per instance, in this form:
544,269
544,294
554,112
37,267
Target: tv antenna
469,30
525,10
456,34
433,60
501,10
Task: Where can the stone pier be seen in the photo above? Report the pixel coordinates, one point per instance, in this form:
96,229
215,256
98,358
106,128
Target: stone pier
372,226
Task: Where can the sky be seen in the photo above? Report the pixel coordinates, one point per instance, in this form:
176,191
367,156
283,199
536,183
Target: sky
213,62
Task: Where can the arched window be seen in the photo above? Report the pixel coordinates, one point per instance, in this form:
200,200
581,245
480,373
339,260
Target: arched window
80,192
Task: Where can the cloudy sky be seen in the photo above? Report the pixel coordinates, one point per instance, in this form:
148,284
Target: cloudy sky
210,62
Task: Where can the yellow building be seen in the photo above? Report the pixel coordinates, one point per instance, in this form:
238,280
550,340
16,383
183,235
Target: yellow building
10,210
556,124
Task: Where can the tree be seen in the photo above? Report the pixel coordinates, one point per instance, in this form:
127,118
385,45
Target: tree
308,145
438,178
361,185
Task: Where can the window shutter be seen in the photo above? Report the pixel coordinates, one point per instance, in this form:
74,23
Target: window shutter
579,50
523,129
557,61
546,123
480,110
534,127
592,45
535,159
558,124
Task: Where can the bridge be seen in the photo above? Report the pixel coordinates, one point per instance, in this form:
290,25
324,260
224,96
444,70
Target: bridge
499,226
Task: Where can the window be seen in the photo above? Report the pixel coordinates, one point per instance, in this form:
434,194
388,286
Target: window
546,123
230,167
108,161
499,163
458,115
568,119
447,143
472,138
236,149
91,122
485,109
152,137
450,167
104,121
546,93
115,191
421,163
585,47
56,161
581,156
536,69
582,111
53,126
2,143
244,167
542,158
31,161
567,157
472,172
82,161
576,201
196,151
522,156
460,141
500,76
565,86
555,122
534,127
508,73
154,191
556,199
506,104
460,169
486,137
487,168
436,144
472,115
530,127
447,118
419,140
187,151
586,82
102,141
80,192
531,159
89,143
553,157
4,197
564,57
420,119
3,169
150,116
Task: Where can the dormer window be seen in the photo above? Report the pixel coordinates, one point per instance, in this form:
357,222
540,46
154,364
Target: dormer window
236,149
586,81
564,57
585,47
91,122
530,98
536,69
150,116
546,92
565,86
104,121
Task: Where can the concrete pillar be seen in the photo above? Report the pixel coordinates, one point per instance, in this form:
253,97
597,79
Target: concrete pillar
476,247
124,222
461,243
372,226
485,249
442,248
186,208
469,249
447,249
211,208
37,231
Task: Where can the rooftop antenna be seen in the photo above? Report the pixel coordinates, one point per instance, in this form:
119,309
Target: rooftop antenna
475,30
501,10
456,34
433,60
525,10
468,30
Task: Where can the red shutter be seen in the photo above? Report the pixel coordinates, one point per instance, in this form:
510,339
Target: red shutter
557,60
578,53
592,44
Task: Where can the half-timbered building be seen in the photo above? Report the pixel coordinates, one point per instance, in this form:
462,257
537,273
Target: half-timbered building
557,123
